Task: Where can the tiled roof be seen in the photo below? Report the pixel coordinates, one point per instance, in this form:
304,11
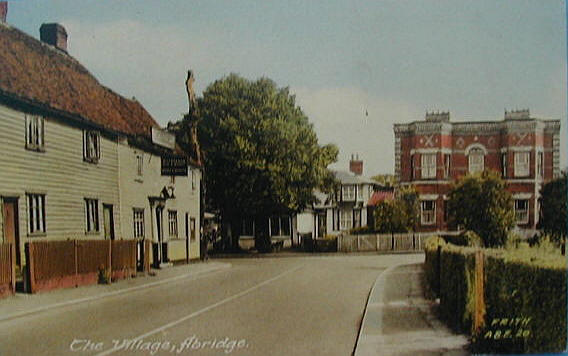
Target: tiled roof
38,73
351,178
380,196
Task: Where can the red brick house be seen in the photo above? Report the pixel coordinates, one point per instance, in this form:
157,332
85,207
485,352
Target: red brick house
431,154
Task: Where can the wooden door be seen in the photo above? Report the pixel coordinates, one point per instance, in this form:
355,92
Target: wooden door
11,233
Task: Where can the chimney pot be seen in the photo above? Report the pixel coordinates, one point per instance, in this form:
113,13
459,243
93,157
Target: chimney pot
54,34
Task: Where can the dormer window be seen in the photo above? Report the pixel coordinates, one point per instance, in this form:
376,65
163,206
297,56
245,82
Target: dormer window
91,146
34,132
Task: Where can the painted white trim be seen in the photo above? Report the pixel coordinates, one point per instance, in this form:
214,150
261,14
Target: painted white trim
473,146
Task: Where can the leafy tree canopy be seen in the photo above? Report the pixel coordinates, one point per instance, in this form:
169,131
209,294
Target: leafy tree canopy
387,180
261,154
399,214
480,203
553,202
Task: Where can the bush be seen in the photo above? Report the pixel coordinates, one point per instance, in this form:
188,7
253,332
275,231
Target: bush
432,264
524,292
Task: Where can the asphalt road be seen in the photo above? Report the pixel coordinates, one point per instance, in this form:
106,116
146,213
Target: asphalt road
261,306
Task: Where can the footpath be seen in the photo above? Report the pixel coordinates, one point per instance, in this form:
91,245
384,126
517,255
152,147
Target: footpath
398,320
22,304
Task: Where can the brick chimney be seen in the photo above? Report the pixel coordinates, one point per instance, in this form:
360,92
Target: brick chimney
54,34
356,165
3,11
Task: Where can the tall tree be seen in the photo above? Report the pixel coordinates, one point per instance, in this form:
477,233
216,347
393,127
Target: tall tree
479,202
553,207
262,156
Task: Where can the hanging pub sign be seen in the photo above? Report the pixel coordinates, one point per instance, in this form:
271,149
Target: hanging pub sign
174,166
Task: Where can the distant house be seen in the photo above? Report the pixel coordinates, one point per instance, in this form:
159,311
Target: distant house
343,210
79,161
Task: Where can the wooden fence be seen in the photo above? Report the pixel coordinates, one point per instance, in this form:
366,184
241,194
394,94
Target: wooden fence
7,269
382,242
60,264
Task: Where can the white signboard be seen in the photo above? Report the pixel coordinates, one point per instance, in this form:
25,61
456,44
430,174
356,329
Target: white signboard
163,138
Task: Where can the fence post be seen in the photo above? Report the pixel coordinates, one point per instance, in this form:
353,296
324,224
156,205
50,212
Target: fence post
29,249
479,313
109,260
358,243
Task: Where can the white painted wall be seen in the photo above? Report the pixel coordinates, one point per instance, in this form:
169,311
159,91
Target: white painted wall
60,173
135,191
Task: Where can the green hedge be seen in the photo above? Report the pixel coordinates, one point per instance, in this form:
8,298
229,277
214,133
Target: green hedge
525,296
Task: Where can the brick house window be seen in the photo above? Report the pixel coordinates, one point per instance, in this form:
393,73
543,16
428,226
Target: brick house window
428,168
34,132
36,213
447,162
138,218
540,164
411,167
504,165
91,146
522,211
522,163
173,223
428,212
92,214
476,160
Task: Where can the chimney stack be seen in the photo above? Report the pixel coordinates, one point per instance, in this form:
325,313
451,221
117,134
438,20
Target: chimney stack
54,34
3,11
356,165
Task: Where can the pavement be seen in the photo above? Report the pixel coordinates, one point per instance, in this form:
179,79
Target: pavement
23,304
398,320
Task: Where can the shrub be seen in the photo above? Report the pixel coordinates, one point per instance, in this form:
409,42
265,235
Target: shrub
480,203
524,292
432,264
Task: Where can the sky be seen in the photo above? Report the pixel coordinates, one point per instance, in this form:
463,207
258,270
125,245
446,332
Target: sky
356,67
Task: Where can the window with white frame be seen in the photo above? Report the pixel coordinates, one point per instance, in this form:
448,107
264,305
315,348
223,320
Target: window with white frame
504,165
91,146
428,212
34,132
447,161
139,164
193,180
92,215
346,219
359,192
348,192
36,213
428,168
173,223
540,165
138,218
522,211
476,160
522,163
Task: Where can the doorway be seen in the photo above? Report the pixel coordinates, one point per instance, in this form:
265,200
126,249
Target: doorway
11,228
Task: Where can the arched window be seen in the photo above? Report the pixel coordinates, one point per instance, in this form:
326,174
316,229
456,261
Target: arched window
476,160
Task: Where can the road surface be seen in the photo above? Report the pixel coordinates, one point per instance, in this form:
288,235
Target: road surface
309,305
